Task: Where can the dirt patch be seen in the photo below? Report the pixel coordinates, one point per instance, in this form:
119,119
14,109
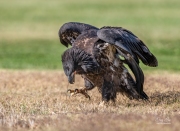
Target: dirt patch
38,100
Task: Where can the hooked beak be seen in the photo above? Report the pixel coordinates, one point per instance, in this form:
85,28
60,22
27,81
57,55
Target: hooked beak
71,78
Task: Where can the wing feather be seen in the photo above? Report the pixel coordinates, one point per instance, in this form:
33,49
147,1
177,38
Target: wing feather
70,31
128,42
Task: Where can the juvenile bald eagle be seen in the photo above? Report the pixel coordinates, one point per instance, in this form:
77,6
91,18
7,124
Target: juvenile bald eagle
96,54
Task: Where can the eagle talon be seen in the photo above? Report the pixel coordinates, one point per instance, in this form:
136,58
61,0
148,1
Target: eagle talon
83,92
71,92
76,91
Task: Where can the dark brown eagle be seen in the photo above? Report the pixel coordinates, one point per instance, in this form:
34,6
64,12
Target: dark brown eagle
99,55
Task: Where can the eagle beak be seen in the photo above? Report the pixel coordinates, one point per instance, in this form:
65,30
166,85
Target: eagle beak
71,78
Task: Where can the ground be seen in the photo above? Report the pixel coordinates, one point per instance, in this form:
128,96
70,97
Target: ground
37,100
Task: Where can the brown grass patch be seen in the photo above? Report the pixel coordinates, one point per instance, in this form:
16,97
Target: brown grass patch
37,100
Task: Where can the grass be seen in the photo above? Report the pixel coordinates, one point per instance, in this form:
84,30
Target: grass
28,30
39,54
37,100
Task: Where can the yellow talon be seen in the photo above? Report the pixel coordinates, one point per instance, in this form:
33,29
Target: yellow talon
76,91
71,92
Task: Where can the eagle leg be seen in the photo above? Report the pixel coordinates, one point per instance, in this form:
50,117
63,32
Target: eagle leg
77,91
108,92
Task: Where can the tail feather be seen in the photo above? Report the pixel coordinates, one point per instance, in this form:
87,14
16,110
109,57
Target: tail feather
129,88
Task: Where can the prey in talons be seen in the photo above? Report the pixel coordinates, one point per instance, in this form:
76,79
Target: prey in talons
78,91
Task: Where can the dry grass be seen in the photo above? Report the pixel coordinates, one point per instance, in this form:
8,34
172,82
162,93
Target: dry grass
37,100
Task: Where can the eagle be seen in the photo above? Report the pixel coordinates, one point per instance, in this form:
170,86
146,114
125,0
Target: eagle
100,56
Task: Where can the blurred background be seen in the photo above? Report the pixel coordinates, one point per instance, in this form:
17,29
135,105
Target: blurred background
29,29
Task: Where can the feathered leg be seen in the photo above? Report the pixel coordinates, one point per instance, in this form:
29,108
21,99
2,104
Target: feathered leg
108,91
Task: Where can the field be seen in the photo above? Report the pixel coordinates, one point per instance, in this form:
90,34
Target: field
37,100
29,39
33,86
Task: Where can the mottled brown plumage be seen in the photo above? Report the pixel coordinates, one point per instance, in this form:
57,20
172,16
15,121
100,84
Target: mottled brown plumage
95,55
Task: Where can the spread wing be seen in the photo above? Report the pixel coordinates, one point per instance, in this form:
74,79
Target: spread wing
128,43
131,48
70,31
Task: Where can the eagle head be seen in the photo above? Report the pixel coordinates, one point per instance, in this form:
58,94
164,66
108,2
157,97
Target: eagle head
68,66
75,60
